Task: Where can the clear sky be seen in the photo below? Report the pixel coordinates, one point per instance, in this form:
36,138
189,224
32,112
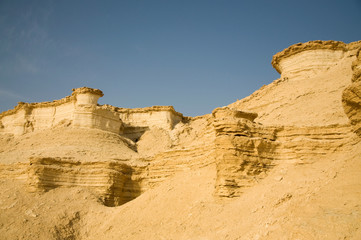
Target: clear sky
193,54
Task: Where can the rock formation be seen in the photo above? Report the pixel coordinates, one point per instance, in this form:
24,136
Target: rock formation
81,110
243,150
309,72
283,146
107,178
351,98
127,142
246,151
310,58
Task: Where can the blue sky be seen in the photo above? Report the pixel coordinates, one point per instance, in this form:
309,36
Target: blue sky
195,55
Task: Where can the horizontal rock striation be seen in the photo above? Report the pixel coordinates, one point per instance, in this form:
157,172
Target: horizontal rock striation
192,148
78,110
302,145
137,121
107,178
166,164
81,110
14,171
116,181
308,92
320,54
245,151
120,153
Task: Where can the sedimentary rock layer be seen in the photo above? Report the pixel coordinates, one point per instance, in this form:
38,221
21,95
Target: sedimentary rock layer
81,110
242,153
312,46
351,97
245,151
120,152
107,178
308,93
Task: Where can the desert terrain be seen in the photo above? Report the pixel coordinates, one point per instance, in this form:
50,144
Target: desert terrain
282,163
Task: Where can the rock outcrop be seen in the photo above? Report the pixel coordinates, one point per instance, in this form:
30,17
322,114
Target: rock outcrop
58,155
351,97
120,153
259,168
313,77
246,151
243,151
107,178
80,110
310,56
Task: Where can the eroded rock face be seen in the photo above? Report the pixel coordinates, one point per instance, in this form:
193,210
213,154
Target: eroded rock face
356,67
351,100
308,92
241,151
228,113
87,96
148,145
310,56
351,97
246,151
107,178
81,110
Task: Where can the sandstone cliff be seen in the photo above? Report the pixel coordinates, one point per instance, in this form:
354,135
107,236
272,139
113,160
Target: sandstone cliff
281,163
313,76
351,97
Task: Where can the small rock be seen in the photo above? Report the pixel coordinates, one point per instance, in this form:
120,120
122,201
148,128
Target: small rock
30,213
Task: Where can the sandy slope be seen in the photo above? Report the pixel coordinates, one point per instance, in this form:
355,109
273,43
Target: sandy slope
89,144
293,202
311,100
317,200
313,201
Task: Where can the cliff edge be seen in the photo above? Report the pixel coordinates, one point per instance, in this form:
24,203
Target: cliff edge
283,163
309,90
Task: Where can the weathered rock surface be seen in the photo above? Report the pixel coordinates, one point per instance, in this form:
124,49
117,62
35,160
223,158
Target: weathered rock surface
313,77
283,162
80,110
107,178
243,152
246,151
317,54
351,97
